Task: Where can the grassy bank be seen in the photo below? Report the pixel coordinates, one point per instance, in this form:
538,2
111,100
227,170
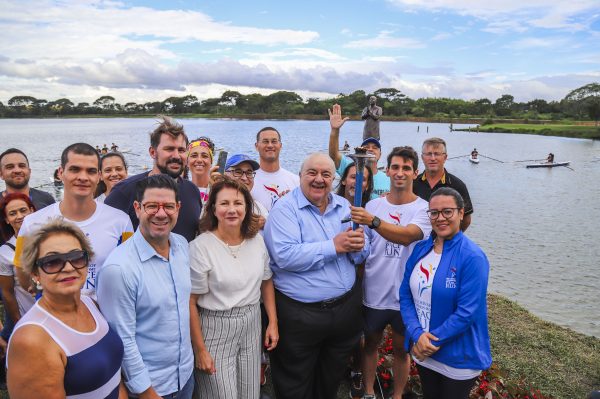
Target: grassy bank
556,360
527,349
563,130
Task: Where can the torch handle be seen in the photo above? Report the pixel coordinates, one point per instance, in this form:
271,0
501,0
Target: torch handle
358,192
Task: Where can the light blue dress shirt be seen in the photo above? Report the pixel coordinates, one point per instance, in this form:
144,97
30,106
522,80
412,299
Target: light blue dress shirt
300,242
145,298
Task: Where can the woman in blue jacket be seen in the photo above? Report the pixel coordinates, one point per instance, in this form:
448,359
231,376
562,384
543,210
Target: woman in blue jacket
443,303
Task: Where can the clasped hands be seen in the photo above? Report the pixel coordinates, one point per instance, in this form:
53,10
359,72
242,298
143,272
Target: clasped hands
424,348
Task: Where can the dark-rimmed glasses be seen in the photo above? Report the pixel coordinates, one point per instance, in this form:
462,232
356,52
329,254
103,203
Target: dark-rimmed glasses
152,208
447,213
239,173
433,154
52,264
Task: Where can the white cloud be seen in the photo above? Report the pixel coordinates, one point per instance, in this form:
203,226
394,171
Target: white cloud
550,14
385,40
85,30
441,36
536,42
217,51
301,52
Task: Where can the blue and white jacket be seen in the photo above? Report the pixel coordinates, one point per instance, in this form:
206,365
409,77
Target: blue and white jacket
458,304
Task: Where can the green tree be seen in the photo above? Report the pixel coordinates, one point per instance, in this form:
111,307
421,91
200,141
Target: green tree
504,105
105,103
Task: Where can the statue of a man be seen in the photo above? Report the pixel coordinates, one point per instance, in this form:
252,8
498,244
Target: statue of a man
371,115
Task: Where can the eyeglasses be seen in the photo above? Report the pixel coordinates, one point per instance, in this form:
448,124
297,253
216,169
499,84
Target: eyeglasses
239,173
151,208
433,154
447,213
54,263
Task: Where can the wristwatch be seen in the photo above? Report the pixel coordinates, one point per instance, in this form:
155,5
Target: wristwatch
375,223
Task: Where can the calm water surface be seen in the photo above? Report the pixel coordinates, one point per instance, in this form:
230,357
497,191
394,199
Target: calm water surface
539,227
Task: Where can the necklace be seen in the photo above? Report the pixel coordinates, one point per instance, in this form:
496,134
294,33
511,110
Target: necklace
234,250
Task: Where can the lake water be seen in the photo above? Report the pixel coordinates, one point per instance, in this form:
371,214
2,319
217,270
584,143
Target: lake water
539,227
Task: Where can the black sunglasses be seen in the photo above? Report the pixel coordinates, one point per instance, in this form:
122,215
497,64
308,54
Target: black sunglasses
54,263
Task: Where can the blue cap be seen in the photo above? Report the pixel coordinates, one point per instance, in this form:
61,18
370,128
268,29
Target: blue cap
237,159
371,140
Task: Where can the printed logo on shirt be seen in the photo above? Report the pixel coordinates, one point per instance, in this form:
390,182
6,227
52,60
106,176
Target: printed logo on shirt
273,190
451,281
396,218
203,197
425,277
90,282
393,250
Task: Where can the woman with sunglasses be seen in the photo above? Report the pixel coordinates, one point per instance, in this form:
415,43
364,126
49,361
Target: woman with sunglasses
443,303
62,347
199,163
17,301
113,169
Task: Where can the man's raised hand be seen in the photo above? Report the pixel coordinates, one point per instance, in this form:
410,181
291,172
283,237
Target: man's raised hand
335,117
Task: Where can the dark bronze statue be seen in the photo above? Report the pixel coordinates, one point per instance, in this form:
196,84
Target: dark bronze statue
371,115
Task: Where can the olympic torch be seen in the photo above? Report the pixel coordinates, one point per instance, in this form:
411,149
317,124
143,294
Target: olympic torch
360,158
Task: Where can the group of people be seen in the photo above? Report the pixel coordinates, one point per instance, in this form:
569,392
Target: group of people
171,283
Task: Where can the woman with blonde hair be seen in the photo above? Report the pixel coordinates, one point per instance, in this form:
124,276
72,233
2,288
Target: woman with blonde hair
63,347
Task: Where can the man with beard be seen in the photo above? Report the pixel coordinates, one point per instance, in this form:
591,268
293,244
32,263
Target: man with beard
15,171
168,149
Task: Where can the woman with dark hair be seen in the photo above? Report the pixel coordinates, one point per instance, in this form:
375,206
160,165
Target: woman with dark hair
347,184
113,169
62,347
17,301
230,269
443,303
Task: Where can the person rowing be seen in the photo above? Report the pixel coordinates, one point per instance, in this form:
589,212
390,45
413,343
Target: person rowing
474,153
550,158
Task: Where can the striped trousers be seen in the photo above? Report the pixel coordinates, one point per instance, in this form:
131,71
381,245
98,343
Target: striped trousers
232,338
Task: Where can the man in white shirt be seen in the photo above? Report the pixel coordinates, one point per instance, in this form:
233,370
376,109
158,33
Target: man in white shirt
104,226
271,181
396,222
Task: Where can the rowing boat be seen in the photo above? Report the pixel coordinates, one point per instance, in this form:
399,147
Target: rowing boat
474,160
547,164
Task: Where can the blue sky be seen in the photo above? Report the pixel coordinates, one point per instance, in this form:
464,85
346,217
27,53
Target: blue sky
149,50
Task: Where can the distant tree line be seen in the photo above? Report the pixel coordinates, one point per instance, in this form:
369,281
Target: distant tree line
581,103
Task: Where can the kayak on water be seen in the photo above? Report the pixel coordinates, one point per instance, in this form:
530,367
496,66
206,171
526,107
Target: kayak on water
547,164
474,160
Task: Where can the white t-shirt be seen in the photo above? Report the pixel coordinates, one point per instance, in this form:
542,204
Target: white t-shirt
106,228
228,276
421,282
24,300
268,187
260,209
204,191
384,268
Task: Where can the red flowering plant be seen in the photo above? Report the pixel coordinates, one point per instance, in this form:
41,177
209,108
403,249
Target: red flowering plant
491,384
385,377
